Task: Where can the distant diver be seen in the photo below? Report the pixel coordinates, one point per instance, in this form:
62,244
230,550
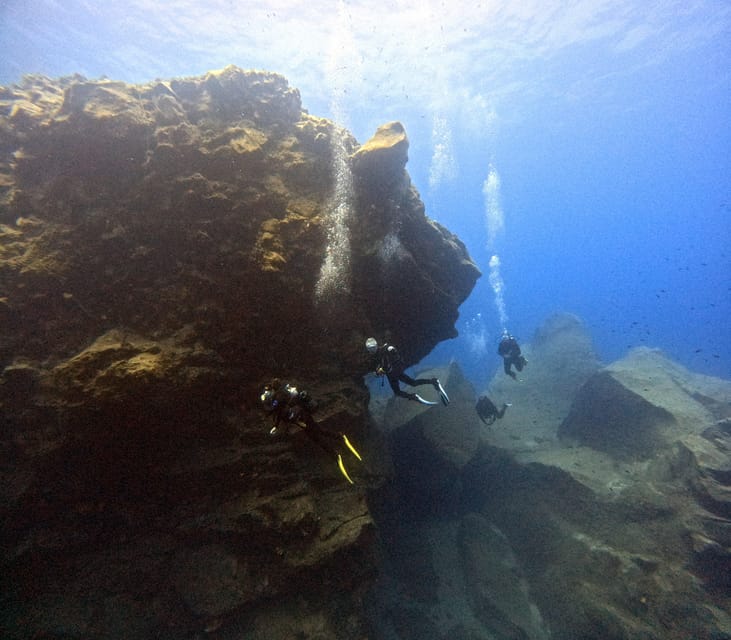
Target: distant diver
509,349
391,365
487,410
286,404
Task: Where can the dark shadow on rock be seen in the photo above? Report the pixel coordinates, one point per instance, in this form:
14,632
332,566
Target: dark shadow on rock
609,417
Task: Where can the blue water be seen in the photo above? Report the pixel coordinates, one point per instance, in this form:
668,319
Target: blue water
607,125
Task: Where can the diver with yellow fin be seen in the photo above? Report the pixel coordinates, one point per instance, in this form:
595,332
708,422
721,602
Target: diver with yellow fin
286,404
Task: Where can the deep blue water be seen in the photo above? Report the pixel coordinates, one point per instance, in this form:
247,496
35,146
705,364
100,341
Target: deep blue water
606,124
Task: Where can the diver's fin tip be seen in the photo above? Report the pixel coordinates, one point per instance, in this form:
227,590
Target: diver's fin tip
343,470
353,450
442,393
418,398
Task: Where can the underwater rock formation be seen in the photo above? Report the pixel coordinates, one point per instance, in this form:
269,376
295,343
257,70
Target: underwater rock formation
159,249
599,507
431,444
619,521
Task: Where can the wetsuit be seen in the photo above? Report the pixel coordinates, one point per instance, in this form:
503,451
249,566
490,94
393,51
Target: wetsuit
293,407
392,366
288,405
487,410
509,349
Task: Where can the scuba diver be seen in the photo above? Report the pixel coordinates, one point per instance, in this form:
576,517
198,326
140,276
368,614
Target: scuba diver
392,366
285,403
487,410
509,349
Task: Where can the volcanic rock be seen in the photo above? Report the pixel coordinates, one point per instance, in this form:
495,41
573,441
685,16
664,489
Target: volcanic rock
431,444
160,249
381,160
610,533
637,406
620,521
497,589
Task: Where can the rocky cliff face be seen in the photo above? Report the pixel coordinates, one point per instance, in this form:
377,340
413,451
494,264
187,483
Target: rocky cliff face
160,249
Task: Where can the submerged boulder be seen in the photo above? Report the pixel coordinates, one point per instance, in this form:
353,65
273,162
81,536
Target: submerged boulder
495,584
637,406
608,416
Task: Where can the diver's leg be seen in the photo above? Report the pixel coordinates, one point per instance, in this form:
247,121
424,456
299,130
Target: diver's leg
403,377
323,438
407,379
394,382
319,437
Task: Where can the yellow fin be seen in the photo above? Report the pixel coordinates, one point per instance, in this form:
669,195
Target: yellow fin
352,448
342,469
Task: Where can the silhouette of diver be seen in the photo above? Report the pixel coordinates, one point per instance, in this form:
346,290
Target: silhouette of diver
487,410
285,403
509,349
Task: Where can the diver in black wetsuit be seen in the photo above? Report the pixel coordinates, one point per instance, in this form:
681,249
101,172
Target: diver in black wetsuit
509,349
487,410
285,403
392,366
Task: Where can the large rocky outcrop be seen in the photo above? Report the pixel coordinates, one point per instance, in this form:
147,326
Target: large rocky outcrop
640,405
160,247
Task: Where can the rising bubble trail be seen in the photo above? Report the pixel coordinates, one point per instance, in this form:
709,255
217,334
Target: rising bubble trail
495,224
494,219
334,278
498,286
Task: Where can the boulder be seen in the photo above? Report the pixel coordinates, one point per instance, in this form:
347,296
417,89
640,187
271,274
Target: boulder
608,416
639,405
494,582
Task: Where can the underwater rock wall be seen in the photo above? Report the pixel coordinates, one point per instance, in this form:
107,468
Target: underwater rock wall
159,250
